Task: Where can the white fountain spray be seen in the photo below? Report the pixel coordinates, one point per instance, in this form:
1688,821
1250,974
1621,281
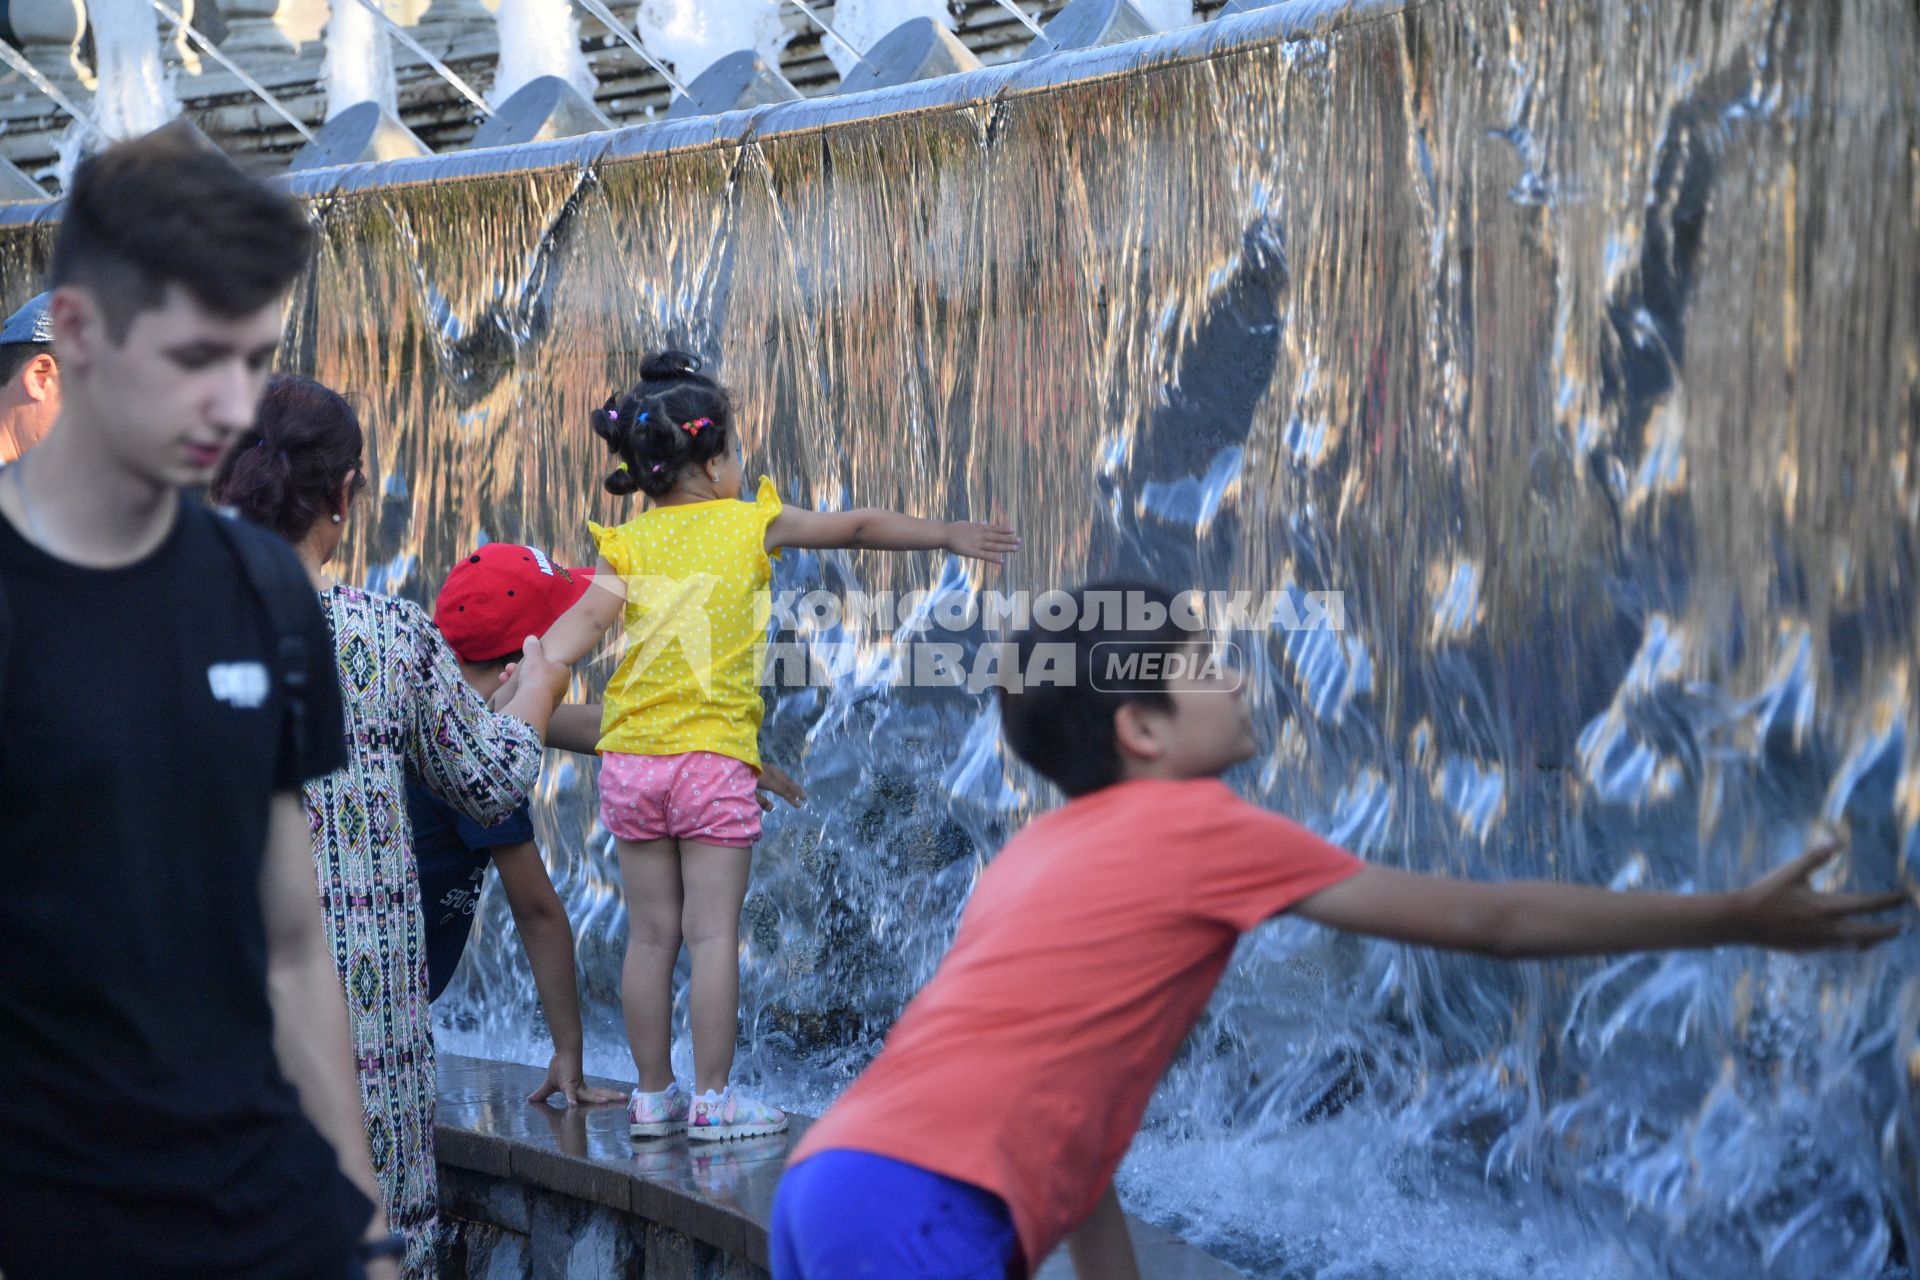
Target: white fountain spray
538,38
695,34
863,23
135,94
359,59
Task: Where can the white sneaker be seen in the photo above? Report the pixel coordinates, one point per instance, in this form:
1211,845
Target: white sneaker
719,1117
655,1115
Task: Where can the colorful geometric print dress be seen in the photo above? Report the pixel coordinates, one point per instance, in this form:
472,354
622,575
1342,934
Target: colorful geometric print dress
405,705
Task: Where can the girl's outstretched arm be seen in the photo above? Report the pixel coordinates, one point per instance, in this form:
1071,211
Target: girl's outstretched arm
871,529
585,625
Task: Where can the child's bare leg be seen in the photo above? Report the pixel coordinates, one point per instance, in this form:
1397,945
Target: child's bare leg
715,877
650,874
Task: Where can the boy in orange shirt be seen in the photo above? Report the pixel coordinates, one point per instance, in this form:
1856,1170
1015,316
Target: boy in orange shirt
989,1128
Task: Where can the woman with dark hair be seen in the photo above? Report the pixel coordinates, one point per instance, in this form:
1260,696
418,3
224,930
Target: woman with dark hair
298,473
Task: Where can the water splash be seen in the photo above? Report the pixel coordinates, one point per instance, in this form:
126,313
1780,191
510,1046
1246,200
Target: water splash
135,94
538,38
864,23
359,61
694,34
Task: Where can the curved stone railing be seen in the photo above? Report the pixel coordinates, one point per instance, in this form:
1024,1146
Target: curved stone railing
529,1190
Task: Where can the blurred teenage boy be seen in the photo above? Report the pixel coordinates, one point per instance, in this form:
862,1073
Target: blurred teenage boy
989,1128
173,1037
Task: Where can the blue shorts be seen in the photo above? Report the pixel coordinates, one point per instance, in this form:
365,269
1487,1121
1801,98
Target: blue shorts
846,1214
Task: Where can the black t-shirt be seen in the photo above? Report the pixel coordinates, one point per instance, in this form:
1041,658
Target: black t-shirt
145,1126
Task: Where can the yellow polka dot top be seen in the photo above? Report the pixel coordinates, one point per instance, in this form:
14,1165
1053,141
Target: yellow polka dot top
698,603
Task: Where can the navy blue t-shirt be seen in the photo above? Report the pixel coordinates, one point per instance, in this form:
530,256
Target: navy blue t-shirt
453,851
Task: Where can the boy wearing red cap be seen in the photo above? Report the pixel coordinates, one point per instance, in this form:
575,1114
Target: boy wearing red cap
489,603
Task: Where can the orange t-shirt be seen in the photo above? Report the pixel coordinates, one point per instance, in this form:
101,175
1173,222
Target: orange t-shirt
1088,951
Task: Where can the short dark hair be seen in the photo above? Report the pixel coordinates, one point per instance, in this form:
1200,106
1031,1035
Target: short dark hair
646,428
16,356
1064,727
168,209
286,472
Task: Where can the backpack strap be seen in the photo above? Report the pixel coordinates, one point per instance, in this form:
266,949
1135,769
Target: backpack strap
6,635
286,602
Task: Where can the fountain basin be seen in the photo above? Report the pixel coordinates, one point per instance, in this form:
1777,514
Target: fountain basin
530,1189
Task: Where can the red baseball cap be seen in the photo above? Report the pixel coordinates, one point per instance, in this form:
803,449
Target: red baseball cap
501,594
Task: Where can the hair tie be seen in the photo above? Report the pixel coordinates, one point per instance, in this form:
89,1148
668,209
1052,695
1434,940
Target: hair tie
613,415
658,467
693,428
645,416
621,467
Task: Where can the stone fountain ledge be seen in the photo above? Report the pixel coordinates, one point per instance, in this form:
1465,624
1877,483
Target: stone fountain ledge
534,1190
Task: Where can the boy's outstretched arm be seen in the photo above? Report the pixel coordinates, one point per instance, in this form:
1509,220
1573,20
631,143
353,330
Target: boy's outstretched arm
1100,1247
541,921
1780,911
774,781
575,727
873,530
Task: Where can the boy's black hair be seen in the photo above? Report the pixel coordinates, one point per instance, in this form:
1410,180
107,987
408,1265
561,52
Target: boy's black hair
1064,728
16,356
167,209
675,418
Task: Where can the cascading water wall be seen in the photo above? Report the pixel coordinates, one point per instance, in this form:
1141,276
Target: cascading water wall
135,94
1577,346
695,34
359,61
538,38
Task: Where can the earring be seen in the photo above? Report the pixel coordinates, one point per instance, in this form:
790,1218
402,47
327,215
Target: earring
336,517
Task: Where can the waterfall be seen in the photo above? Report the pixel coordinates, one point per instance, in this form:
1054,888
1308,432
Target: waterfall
1575,345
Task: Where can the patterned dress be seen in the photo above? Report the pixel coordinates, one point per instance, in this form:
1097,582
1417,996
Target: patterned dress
405,705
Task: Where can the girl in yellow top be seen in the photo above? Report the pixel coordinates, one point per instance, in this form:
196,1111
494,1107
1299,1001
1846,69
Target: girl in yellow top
680,730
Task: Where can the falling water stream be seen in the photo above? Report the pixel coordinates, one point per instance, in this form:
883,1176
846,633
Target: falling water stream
538,38
694,34
359,63
1578,346
135,94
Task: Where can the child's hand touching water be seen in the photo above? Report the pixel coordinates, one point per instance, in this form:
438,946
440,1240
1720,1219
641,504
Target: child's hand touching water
776,782
992,543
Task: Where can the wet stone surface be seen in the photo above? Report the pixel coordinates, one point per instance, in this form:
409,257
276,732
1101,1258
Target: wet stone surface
537,1191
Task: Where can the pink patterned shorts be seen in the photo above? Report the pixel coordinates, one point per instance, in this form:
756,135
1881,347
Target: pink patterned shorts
697,795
